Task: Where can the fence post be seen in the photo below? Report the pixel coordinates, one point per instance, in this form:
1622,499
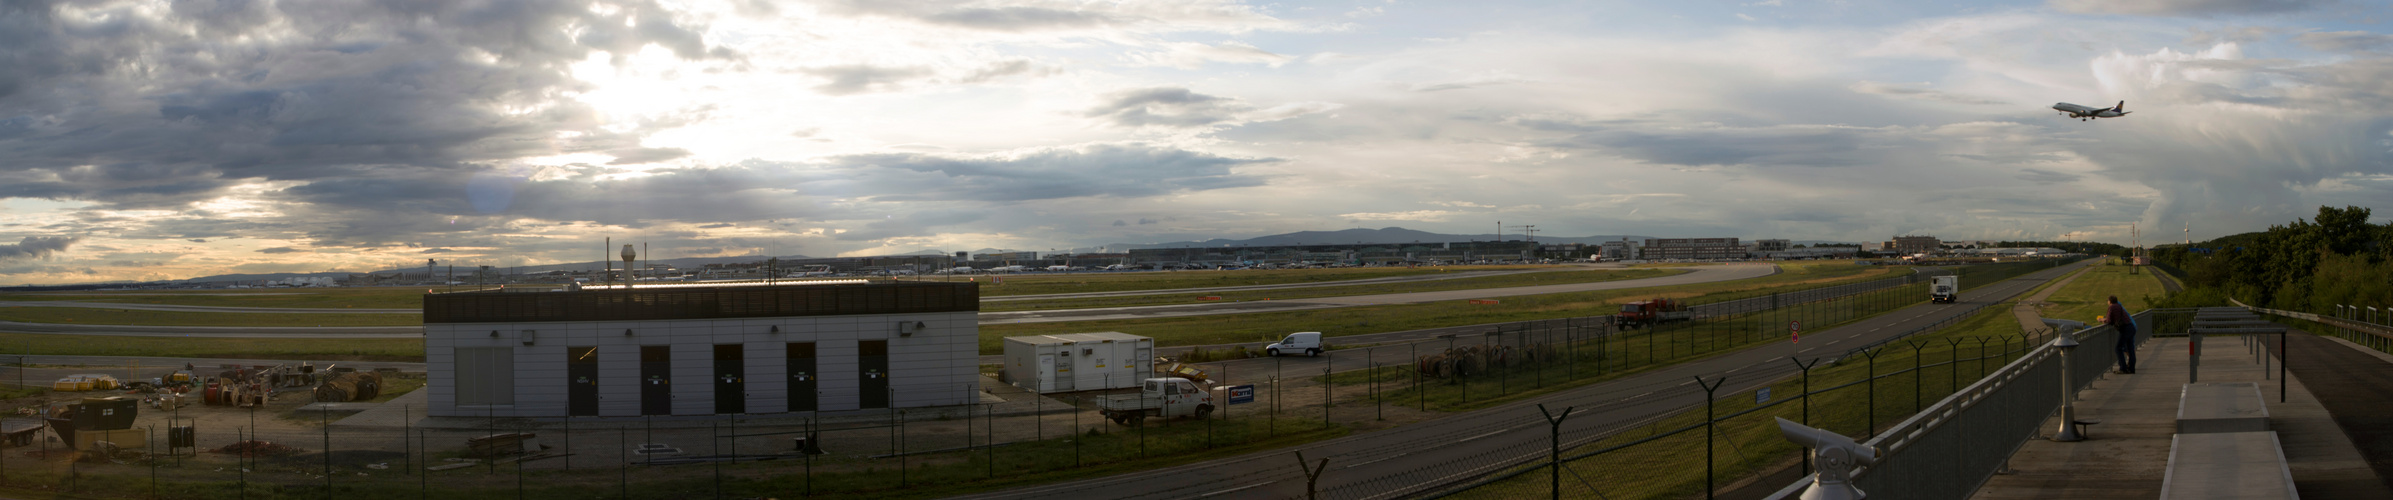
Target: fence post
1312,475
1806,368
324,418
1554,445
1953,373
1076,432
1919,352
1708,425
1872,412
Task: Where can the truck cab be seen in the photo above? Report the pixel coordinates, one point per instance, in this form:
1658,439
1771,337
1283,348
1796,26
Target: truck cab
1307,343
1161,397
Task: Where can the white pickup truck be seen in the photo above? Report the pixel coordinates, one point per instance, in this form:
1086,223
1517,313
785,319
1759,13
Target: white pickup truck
1162,397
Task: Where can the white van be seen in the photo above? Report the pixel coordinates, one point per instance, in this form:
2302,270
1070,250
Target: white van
1308,343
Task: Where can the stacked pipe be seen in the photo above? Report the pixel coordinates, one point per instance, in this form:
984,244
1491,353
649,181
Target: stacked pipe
351,386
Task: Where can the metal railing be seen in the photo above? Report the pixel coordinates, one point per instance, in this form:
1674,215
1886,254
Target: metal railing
1948,450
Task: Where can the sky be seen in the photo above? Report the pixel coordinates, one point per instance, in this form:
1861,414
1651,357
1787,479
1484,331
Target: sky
149,140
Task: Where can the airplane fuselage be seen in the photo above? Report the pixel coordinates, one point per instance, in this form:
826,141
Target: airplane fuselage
2084,112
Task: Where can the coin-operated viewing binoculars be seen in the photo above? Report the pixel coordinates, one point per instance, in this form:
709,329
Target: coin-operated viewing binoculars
1836,456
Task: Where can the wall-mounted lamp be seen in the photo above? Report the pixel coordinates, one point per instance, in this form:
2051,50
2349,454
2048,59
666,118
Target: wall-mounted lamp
494,333
627,332
907,328
776,328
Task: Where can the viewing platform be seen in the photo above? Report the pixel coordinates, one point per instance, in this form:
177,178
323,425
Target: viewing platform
2129,455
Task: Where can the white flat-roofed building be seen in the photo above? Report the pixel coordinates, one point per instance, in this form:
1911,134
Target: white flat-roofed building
702,348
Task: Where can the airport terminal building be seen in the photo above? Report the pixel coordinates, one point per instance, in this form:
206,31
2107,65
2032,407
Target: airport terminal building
702,348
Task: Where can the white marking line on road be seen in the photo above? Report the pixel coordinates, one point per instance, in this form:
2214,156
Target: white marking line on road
1369,462
1646,393
1468,439
1233,490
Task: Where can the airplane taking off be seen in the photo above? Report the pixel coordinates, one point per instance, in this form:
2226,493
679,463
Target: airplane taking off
2083,113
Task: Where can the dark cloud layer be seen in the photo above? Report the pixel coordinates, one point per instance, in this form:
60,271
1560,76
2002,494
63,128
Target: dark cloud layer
36,247
231,92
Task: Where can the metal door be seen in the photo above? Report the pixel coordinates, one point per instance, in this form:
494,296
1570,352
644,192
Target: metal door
872,373
656,380
731,379
581,389
1063,369
802,391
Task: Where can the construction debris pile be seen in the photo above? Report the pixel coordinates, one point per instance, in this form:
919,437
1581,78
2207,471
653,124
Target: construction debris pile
1470,360
350,386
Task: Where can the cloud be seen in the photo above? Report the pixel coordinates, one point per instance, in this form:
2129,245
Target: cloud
436,250
2041,176
1166,107
852,79
1176,107
1916,91
1108,170
233,93
2194,8
1042,16
636,156
718,226
1191,55
37,247
2345,41
1415,215
1120,223
279,250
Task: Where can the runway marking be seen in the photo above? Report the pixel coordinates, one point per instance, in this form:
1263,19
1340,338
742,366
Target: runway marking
1233,490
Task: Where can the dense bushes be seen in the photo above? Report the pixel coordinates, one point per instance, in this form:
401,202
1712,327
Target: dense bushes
2337,258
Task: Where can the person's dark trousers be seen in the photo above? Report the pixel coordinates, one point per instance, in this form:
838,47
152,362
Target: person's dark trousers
2126,349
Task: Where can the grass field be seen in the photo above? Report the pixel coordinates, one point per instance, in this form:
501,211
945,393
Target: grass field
1041,284
94,316
1234,328
1504,281
2089,296
267,348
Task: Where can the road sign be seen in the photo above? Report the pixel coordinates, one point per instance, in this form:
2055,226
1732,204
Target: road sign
1761,396
1794,331
1242,394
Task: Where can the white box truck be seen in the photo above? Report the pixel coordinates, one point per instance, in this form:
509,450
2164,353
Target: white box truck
1944,289
1078,361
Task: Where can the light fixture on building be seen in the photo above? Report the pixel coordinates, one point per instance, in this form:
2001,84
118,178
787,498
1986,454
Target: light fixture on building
494,333
776,328
907,328
627,332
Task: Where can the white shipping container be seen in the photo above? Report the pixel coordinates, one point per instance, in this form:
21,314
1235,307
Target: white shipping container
1078,361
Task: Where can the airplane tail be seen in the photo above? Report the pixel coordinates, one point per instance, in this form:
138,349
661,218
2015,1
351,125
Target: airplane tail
2122,107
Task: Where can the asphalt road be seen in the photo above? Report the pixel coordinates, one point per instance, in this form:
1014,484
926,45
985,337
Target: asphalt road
1391,463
